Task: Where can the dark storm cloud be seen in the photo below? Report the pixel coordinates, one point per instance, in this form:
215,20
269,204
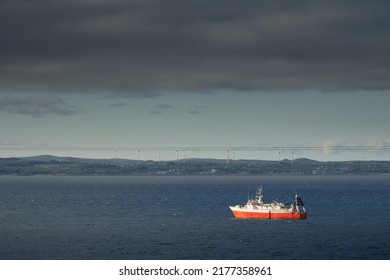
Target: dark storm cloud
142,47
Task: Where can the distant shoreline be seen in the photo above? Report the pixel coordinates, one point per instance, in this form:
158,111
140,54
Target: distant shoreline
62,166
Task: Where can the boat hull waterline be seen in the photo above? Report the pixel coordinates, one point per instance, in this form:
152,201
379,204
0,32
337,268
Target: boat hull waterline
242,214
257,209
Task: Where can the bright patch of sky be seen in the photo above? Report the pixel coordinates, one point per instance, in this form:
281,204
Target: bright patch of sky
217,119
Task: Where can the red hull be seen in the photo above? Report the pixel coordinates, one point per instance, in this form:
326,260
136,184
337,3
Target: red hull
269,215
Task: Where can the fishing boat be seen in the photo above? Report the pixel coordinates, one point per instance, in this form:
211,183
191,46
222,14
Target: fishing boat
257,209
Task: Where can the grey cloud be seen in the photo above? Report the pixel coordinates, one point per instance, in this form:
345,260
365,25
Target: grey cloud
163,106
143,47
156,112
200,107
160,109
116,105
36,106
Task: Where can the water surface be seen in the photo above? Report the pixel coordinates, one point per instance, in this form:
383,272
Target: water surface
187,217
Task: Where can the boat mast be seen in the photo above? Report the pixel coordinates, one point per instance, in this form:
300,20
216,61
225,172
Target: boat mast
259,195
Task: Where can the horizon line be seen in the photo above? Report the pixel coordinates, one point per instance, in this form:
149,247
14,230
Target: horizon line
195,148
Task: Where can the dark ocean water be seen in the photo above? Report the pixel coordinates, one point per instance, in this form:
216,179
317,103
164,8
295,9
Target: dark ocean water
187,217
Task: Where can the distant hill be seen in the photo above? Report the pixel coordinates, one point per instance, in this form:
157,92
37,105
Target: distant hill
305,161
53,165
48,158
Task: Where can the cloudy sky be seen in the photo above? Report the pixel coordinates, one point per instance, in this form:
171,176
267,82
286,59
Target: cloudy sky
195,73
